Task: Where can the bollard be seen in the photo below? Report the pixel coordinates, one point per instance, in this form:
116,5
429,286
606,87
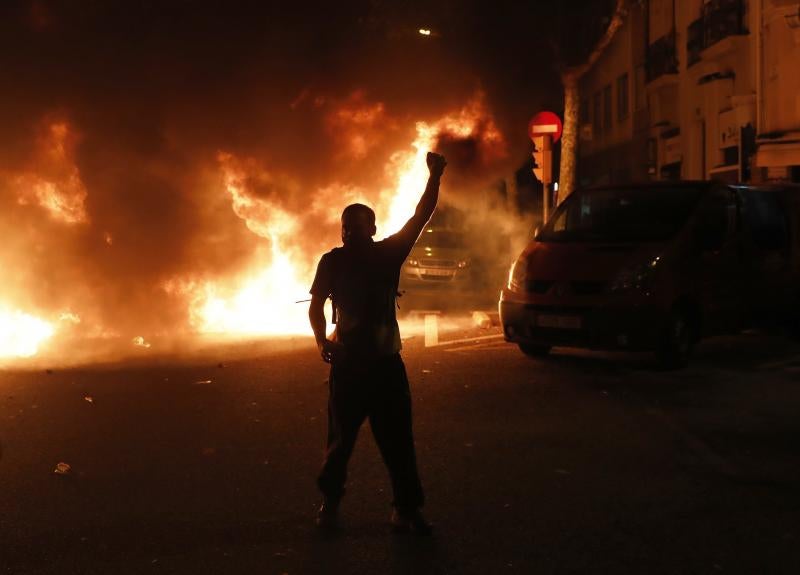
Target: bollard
431,329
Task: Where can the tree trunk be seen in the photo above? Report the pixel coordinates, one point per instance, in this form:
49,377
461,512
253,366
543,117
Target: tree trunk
569,137
570,79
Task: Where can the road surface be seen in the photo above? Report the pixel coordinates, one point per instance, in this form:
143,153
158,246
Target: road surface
579,463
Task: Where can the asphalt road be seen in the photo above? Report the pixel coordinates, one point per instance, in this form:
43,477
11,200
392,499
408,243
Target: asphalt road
580,463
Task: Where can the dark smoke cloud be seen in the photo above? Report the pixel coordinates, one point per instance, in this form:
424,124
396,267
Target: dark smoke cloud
154,91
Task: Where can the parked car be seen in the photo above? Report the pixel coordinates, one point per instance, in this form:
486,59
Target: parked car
656,266
438,262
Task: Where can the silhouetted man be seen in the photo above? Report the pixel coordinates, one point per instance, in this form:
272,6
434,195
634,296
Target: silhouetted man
368,378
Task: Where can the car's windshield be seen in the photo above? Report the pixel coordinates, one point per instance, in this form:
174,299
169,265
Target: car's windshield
624,215
441,239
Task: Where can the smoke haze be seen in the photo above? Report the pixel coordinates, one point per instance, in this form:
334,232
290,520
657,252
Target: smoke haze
150,152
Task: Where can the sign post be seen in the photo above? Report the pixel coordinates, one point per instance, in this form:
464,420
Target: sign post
544,130
543,169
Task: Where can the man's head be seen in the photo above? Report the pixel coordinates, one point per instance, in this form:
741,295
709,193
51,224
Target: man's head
358,225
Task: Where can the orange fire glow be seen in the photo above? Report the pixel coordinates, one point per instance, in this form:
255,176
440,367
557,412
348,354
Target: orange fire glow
56,184
267,297
52,183
22,334
265,301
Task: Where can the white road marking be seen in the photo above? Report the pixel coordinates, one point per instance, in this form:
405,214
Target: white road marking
469,339
487,346
794,360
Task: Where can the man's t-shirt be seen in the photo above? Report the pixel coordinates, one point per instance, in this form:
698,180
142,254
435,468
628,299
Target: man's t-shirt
362,282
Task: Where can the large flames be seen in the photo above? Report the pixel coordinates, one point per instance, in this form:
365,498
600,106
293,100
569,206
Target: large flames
21,334
52,182
266,298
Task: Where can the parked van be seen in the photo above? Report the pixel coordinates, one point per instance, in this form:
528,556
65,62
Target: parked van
656,266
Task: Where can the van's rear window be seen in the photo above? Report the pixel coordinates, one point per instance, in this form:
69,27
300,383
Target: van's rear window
624,215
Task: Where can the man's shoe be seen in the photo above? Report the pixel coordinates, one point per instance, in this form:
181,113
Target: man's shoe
410,522
328,515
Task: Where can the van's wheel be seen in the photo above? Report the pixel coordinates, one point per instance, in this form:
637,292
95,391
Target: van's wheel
534,350
676,342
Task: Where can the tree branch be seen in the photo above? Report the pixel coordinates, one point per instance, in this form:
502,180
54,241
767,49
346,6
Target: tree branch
617,19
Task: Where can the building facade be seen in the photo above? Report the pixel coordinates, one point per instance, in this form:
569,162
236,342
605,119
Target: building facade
712,89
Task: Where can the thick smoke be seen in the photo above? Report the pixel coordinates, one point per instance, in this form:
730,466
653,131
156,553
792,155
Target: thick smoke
122,128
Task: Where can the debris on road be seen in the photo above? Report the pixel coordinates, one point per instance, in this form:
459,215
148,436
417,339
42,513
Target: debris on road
139,341
62,469
88,399
481,319
485,319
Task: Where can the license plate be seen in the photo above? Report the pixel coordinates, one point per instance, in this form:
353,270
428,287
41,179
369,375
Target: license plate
559,321
435,272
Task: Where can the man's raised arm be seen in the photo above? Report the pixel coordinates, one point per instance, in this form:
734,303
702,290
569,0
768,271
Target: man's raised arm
427,203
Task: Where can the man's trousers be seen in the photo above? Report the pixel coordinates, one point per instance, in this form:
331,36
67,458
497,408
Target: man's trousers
376,390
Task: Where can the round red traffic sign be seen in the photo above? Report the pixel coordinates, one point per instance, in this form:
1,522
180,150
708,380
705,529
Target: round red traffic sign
545,123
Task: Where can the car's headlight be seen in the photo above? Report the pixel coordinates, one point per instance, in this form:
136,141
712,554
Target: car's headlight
462,264
412,263
517,274
636,278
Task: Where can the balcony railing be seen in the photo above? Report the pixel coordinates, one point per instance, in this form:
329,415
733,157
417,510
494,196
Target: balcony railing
719,20
661,57
722,18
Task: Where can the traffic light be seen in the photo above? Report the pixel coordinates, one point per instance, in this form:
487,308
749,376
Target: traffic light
543,159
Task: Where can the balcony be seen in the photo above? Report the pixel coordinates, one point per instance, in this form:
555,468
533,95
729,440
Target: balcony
695,42
720,19
662,58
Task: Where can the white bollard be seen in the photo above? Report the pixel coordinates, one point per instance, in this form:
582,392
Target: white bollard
431,329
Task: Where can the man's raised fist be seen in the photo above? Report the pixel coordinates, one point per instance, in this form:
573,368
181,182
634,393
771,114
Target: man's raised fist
436,163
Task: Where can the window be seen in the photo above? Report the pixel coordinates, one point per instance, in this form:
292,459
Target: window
607,108
621,215
597,116
623,103
713,224
766,220
584,113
